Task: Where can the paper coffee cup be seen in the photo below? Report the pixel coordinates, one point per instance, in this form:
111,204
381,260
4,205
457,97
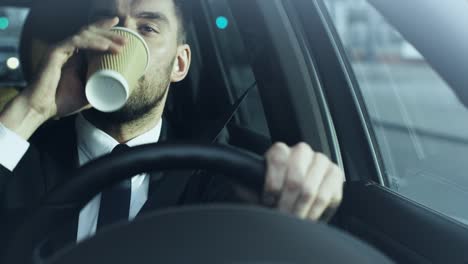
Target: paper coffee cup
112,77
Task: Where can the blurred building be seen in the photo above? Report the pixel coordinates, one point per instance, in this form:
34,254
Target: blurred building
11,23
366,35
12,19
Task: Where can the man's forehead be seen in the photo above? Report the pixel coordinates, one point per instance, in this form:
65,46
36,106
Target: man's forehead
128,6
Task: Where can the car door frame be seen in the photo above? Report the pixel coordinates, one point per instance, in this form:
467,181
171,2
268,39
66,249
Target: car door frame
403,229
294,110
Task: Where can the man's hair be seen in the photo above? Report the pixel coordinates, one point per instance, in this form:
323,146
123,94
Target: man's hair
181,13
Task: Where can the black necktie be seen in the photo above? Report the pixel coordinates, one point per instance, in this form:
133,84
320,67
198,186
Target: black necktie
115,201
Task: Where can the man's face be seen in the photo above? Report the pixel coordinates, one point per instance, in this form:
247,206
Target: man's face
157,23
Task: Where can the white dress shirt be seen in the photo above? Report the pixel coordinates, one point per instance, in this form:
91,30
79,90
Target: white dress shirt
13,148
92,143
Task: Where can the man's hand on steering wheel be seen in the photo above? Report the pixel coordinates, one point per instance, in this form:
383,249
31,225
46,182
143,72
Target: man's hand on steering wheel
301,181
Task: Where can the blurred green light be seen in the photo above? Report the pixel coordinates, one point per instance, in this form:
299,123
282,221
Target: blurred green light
4,23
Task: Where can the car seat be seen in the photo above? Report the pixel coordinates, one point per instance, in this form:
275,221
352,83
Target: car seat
192,104
45,27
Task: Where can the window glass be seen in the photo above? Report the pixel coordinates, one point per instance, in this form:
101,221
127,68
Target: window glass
420,125
11,76
11,23
237,67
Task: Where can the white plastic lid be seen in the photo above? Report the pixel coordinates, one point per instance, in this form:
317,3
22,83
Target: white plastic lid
107,91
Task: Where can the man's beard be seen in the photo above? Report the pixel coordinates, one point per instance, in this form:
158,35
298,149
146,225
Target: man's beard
148,95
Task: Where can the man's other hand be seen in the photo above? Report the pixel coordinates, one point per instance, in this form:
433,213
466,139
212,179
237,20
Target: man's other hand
301,181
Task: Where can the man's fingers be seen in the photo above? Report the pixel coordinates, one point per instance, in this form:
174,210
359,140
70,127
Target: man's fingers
102,28
329,193
89,40
109,35
106,23
306,183
315,175
299,162
277,159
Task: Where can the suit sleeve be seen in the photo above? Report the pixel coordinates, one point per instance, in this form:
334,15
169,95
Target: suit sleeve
21,182
12,150
19,194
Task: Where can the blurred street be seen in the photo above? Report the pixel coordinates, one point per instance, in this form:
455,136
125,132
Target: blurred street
422,131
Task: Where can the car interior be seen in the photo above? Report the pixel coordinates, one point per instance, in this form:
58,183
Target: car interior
194,104
278,74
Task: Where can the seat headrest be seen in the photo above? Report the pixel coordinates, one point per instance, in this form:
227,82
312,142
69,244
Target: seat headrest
49,22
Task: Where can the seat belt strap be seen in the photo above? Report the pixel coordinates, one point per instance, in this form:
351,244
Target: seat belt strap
173,184
230,113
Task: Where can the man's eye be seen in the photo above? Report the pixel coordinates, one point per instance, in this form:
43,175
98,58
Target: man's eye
148,29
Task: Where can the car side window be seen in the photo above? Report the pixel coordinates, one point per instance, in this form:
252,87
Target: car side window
420,125
236,64
11,76
12,20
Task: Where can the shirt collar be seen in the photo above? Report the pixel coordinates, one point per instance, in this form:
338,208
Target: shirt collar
96,143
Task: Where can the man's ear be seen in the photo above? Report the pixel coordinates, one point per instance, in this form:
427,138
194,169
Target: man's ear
182,63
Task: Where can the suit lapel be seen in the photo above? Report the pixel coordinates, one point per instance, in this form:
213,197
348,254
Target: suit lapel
169,188
57,142
166,188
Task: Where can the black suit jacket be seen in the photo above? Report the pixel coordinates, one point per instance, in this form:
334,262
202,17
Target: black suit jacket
52,157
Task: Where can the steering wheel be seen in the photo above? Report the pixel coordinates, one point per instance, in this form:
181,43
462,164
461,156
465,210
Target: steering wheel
196,234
